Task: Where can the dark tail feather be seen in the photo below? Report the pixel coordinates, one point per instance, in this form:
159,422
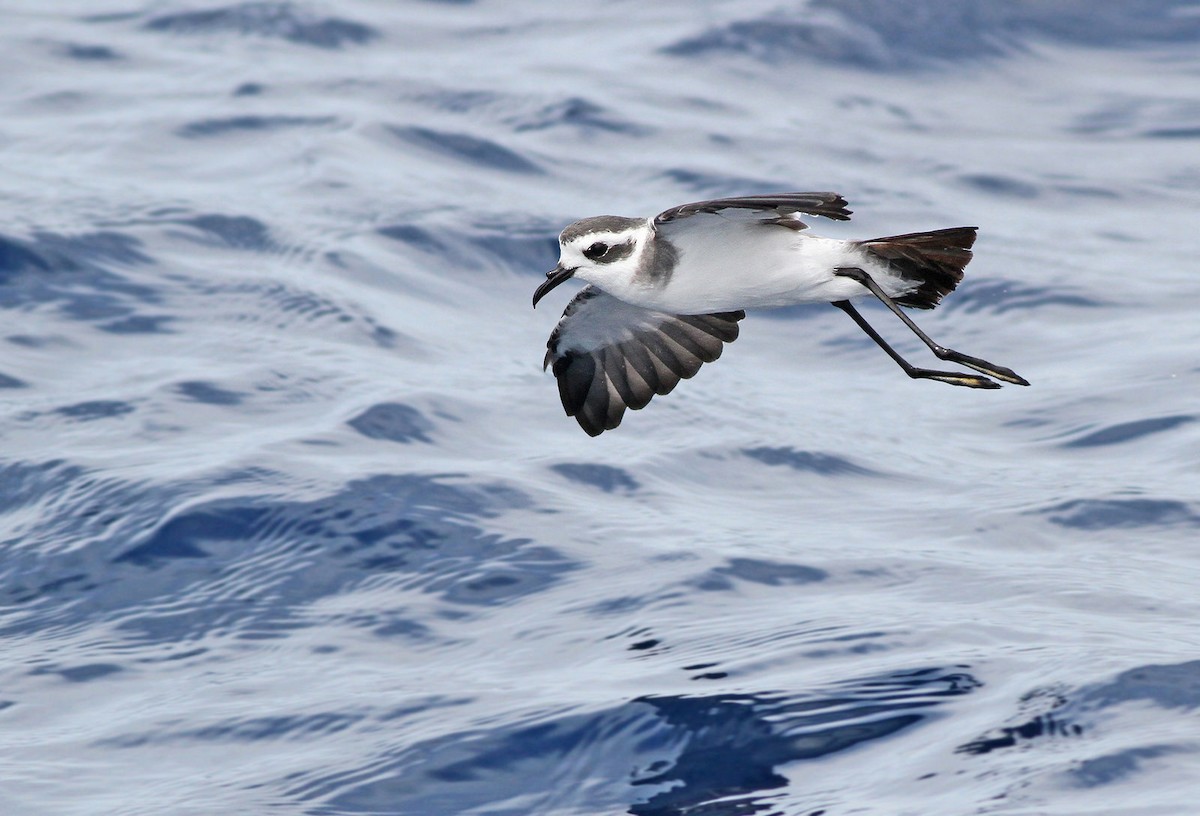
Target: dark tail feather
934,259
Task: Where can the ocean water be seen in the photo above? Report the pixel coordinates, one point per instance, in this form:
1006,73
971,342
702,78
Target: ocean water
291,521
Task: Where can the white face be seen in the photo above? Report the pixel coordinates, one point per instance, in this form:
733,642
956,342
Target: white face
605,250
602,257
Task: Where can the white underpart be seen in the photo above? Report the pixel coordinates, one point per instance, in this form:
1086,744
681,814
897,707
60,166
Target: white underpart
735,263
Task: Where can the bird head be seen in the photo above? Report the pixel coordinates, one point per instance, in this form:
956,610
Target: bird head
604,250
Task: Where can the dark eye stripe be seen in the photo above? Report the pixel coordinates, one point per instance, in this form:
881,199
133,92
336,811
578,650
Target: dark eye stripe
609,253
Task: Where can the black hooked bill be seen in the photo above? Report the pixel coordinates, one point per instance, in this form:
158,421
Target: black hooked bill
553,278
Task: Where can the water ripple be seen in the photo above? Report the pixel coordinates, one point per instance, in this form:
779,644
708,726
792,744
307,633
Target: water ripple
283,21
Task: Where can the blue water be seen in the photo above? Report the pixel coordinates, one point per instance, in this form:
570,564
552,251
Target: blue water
292,521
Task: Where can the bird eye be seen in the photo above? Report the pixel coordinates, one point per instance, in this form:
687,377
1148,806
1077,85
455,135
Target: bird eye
596,250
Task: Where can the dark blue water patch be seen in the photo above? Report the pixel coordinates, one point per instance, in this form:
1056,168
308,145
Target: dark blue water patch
884,35
89,250
1087,191
521,247
283,21
901,116
412,525
7,381
1169,686
80,273
142,543
268,728
699,673
244,730
775,40
186,535
1117,514
233,231
1172,133
205,128
860,34
1039,727
579,113
693,754
414,236
256,729
605,477
80,674
1137,118
1105,23
1117,117
394,422
521,115
1002,186
853,643
460,101
98,307
89,53
95,409
718,184
22,483
735,744
627,604
1119,766
466,148
1129,431
249,89
768,573
139,324
317,311
208,393
111,17
998,296
393,624
49,252
16,257
822,464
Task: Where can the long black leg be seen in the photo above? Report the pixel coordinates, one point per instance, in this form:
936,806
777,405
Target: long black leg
941,352
952,377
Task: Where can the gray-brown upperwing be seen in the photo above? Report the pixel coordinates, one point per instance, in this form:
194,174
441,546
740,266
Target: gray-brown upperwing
609,355
781,208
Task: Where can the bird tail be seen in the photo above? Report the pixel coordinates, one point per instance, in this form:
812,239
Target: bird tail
934,259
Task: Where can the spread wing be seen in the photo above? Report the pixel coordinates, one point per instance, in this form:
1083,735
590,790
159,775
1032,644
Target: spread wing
780,208
609,355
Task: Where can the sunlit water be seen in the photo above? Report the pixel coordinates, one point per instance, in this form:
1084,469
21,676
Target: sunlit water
292,521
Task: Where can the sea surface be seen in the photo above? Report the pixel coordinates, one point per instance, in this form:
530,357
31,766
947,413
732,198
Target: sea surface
291,519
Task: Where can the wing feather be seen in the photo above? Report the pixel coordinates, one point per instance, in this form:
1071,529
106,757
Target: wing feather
614,369
609,356
593,414
574,381
642,373
783,205
723,325
689,338
659,348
